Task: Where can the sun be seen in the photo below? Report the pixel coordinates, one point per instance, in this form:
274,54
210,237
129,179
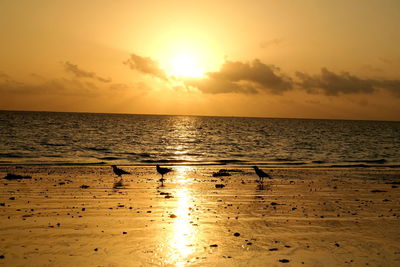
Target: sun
184,66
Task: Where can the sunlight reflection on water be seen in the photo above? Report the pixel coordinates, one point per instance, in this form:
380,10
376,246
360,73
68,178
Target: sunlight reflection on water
181,175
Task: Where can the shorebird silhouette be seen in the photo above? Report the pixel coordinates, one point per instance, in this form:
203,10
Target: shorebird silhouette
162,171
261,174
119,171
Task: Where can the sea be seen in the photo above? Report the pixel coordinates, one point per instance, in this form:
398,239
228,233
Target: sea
60,138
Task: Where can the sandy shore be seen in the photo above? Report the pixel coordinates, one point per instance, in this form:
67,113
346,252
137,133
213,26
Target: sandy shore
308,217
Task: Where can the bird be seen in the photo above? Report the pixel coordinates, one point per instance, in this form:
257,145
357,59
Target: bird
261,174
162,171
119,171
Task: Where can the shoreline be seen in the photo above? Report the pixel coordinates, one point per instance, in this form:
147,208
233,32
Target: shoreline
212,164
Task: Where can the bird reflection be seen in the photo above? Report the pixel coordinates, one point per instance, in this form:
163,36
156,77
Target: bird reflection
118,185
261,186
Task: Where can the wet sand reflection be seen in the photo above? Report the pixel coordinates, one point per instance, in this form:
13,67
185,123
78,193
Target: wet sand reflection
182,239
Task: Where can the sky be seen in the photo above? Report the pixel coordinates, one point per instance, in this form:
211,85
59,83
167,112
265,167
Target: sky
333,59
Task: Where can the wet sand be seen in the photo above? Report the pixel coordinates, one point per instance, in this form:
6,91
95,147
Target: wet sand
72,216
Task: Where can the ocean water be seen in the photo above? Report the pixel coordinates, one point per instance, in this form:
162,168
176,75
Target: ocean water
83,138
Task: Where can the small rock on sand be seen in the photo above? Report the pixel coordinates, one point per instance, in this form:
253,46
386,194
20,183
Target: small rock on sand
221,172
284,260
11,176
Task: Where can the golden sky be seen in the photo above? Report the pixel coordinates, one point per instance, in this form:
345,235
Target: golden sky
298,59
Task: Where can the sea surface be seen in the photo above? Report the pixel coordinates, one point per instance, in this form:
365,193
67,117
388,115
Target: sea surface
89,139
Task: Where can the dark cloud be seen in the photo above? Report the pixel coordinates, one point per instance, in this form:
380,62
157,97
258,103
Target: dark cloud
145,65
392,86
74,69
239,77
333,84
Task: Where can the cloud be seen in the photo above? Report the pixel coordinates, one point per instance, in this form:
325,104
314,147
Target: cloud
74,69
52,86
333,84
239,77
392,86
257,77
371,68
145,65
386,61
4,75
252,77
65,87
275,41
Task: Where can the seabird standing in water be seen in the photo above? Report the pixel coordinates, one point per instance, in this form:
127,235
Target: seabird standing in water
261,174
119,171
162,171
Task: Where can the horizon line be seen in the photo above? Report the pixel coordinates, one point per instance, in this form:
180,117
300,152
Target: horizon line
195,115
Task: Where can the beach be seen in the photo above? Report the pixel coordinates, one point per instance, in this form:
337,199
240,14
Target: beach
78,216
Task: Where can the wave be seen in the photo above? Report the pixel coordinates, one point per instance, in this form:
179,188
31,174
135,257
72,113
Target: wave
81,163
167,161
109,158
143,155
284,159
53,144
228,161
100,149
363,165
293,163
378,161
54,163
11,155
